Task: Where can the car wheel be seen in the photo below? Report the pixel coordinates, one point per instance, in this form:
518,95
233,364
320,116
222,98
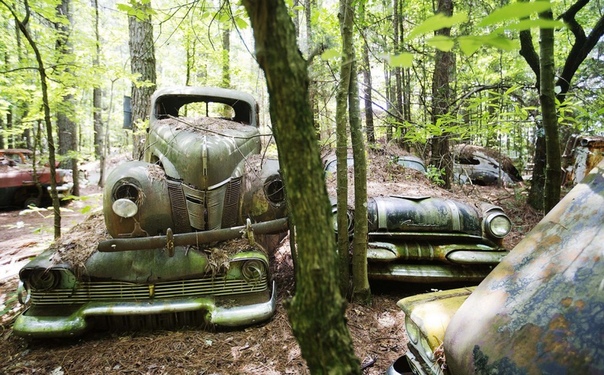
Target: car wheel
32,201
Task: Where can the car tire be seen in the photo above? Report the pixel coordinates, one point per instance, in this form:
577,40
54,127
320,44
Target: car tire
32,201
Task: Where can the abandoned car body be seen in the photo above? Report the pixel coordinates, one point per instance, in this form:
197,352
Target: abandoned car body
481,166
581,155
19,184
183,232
539,311
423,237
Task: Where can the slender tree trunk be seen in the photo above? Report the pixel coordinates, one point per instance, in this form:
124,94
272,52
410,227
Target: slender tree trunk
226,56
66,127
547,97
316,312
142,62
368,94
22,25
441,98
342,146
97,98
361,291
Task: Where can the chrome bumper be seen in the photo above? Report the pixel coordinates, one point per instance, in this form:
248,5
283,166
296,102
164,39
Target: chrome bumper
77,323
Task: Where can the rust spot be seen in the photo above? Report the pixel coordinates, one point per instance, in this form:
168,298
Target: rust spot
566,302
580,304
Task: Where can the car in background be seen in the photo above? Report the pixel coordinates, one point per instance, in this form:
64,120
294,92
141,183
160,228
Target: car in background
407,161
581,155
482,166
185,234
22,185
539,311
418,232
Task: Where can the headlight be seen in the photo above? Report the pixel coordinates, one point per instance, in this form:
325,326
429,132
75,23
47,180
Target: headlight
44,279
412,330
253,270
124,208
498,225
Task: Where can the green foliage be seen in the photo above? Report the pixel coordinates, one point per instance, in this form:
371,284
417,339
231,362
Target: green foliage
435,175
140,9
512,15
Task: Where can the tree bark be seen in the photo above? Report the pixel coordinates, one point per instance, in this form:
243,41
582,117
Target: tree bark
316,312
444,68
342,151
97,97
547,98
368,95
66,127
142,62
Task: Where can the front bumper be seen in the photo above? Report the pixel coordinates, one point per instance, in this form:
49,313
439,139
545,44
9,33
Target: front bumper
78,321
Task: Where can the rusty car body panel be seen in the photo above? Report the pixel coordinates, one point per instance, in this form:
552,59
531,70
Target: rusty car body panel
540,310
581,155
187,229
19,180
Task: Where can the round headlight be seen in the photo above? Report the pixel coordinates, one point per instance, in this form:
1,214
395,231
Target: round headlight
253,270
124,208
43,279
498,225
412,330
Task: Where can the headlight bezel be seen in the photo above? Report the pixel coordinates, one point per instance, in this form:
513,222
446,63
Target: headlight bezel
497,225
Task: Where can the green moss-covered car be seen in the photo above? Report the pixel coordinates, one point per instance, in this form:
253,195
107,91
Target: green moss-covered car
540,311
185,233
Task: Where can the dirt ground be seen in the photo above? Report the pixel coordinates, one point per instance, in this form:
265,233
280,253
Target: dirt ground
270,348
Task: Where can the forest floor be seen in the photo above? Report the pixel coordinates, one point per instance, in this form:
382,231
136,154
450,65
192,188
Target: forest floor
377,330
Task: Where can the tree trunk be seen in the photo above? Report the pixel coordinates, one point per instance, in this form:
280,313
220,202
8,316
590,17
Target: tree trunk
444,68
142,62
66,127
350,90
22,25
361,291
316,312
226,55
342,151
369,125
97,98
547,97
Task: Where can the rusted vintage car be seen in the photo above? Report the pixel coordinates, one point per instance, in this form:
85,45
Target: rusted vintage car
581,155
186,231
482,166
540,311
20,187
417,236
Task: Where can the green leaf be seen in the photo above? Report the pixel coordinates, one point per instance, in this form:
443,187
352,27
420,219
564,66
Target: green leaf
241,23
437,22
514,11
402,60
330,53
500,42
536,24
469,44
441,42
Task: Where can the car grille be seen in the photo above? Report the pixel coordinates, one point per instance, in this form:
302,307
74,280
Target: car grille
115,291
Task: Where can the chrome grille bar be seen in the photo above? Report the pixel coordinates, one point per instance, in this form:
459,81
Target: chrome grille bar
115,291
